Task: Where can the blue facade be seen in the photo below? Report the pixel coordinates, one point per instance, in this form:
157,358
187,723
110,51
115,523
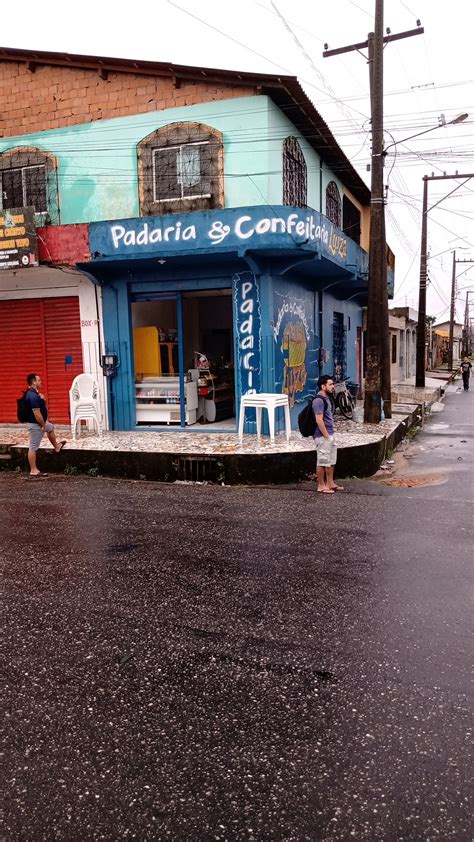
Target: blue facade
288,270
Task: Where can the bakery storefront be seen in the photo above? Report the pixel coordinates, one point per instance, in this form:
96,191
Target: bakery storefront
201,308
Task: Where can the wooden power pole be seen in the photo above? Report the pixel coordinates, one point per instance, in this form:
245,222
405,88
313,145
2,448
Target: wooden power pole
377,379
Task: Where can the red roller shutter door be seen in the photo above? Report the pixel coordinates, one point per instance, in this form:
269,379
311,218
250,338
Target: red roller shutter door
62,330
41,335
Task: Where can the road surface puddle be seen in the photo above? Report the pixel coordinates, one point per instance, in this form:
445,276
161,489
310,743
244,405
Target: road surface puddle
415,481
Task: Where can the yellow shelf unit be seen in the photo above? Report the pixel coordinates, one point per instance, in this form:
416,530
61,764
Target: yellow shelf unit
151,355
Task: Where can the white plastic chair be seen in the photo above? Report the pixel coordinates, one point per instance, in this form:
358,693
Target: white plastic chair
270,402
84,402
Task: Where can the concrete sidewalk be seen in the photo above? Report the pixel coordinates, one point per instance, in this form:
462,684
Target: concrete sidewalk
200,455
436,383
216,457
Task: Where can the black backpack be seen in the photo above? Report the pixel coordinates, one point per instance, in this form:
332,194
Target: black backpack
23,408
306,418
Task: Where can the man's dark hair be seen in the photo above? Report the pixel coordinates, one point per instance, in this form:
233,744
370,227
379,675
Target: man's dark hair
30,378
323,380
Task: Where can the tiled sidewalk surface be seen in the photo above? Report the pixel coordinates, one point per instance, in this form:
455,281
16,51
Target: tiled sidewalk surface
349,434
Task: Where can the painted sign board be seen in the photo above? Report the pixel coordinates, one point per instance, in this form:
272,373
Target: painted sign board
232,229
248,332
18,243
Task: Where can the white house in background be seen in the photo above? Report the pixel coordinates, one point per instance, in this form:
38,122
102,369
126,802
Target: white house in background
402,325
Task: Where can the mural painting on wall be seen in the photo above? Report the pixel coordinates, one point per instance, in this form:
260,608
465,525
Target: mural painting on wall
292,331
248,325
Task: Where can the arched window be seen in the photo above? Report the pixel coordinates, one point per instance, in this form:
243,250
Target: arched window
28,179
333,204
181,168
294,174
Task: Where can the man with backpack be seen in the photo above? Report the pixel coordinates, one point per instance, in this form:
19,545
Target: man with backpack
32,409
326,449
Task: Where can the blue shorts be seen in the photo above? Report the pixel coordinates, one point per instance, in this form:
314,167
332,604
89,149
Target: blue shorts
36,433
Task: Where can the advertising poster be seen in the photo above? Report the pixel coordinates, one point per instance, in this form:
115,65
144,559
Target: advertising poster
18,244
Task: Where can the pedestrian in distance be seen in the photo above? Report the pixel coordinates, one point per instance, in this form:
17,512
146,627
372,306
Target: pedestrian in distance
324,437
37,423
466,372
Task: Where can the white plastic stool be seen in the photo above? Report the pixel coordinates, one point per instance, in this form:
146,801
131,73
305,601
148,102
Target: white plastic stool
268,401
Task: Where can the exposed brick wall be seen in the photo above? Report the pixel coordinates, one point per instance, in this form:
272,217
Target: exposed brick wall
53,97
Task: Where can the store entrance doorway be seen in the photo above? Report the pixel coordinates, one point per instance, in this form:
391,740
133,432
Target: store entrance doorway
184,360
209,354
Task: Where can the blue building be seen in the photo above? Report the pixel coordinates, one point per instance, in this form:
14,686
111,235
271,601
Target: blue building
270,296
227,234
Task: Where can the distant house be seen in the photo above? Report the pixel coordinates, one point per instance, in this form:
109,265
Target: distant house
403,323
200,225
440,343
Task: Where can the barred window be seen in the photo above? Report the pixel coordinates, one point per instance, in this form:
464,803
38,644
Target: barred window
28,179
294,174
181,169
24,186
333,204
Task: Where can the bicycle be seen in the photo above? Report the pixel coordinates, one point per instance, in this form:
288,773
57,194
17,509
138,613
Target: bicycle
343,400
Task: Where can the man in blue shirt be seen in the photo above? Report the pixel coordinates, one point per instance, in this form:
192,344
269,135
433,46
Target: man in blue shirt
326,449
37,423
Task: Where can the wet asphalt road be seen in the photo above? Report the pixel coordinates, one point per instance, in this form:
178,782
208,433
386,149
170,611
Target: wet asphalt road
200,663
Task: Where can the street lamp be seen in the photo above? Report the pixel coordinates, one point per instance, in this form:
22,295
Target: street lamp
442,122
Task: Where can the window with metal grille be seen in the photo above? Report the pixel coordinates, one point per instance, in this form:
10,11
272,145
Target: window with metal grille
181,172
28,178
333,204
350,220
295,177
25,187
181,169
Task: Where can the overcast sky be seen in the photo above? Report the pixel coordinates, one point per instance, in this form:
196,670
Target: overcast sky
425,76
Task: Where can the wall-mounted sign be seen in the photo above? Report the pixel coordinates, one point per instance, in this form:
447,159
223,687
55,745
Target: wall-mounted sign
232,229
248,328
18,244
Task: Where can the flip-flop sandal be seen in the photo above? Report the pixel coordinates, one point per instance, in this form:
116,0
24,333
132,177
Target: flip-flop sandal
338,488
61,445
325,491
40,475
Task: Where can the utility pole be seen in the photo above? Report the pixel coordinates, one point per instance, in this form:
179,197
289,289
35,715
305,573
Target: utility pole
377,380
452,312
467,343
376,350
451,315
421,327
465,333
421,324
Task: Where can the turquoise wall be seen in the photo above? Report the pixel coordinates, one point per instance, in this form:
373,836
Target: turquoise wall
280,127
97,162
